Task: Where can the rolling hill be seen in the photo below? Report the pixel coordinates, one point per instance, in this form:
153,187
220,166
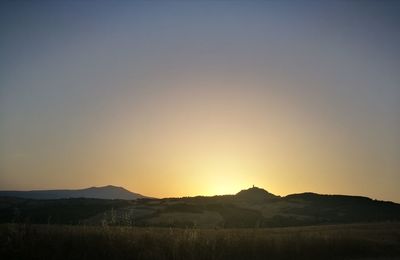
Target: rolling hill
251,208
105,192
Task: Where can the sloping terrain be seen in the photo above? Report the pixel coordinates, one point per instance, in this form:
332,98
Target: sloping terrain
61,211
250,208
105,192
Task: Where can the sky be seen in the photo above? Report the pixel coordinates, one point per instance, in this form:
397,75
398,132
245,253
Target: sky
181,98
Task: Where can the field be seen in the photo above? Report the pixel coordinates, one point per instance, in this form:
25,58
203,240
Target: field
355,241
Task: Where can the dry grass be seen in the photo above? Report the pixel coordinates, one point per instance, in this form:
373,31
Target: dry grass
362,241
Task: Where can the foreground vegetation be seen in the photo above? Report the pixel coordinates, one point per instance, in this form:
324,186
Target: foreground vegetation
357,241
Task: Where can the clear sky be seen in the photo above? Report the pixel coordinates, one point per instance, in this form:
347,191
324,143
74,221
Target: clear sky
174,98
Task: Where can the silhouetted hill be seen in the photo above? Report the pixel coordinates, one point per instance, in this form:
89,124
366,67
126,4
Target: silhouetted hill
251,208
255,195
55,211
342,208
105,192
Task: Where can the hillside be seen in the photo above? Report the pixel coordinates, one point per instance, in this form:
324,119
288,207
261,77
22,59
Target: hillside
105,192
249,208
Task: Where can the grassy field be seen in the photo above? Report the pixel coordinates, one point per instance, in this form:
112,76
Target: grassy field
358,241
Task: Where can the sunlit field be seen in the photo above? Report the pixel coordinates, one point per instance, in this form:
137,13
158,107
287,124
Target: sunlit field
357,241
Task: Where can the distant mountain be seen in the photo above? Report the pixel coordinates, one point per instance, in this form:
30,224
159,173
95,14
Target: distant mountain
250,208
105,192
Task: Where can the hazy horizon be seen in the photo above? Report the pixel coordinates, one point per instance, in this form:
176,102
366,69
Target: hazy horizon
183,196
183,98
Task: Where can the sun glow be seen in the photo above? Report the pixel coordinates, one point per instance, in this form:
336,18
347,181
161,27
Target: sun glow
222,173
194,99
